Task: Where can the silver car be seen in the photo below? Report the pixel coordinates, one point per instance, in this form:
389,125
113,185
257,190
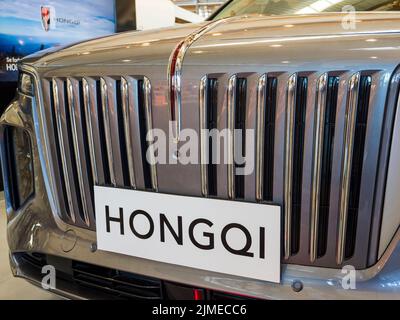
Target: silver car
316,82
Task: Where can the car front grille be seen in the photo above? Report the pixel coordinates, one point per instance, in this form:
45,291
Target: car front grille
322,145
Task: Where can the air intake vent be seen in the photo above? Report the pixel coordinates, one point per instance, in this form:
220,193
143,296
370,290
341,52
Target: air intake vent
269,138
298,149
208,123
120,284
326,163
357,163
212,95
240,126
143,132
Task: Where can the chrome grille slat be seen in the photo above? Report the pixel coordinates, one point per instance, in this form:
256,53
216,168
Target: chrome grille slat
231,102
261,87
203,137
317,159
107,117
149,126
79,148
350,119
127,107
91,112
288,164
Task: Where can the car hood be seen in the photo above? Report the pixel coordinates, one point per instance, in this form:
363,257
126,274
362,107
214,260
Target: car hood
155,46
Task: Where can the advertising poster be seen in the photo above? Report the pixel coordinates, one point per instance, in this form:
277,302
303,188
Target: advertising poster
27,26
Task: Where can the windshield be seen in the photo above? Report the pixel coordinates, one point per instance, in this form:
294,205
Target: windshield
289,7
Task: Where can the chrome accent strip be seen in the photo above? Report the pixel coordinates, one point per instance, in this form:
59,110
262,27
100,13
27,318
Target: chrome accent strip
319,119
261,94
203,135
61,141
88,116
149,126
74,117
107,129
288,164
42,140
126,109
175,72
348,143
231,106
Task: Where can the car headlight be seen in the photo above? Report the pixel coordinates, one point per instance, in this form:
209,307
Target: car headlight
25,84
19,165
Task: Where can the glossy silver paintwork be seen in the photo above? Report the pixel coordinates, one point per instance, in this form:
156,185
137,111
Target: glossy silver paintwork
37,226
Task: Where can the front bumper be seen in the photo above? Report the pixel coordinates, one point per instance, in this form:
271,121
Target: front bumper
35,227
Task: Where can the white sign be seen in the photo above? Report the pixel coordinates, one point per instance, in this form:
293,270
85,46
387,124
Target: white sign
231,237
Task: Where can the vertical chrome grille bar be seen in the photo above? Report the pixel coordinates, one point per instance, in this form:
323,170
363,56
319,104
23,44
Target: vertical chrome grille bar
231,102
74,109
320,109
261,92
89,125
62,140
348,143
107,129
126,109
203,136
149,127
288,164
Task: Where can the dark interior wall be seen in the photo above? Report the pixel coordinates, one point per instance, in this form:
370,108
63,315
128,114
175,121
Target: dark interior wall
7,93
125,11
